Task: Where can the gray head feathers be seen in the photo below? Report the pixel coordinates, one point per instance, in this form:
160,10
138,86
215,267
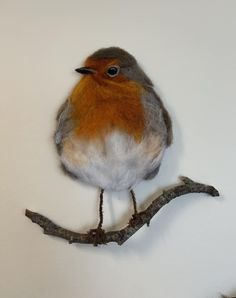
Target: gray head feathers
127,62
124,57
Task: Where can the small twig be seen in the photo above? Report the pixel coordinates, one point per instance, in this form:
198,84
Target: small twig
141,218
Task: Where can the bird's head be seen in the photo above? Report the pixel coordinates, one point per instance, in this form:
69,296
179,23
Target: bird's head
113,65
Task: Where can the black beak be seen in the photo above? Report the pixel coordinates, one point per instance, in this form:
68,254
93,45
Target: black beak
85,70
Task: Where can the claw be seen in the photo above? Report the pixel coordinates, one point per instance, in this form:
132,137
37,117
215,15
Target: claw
98,236
133,220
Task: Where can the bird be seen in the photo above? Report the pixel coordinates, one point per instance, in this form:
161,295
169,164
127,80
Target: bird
113,129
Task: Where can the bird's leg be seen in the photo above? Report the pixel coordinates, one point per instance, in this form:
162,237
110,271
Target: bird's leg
134,203
98,234
101,210
134,216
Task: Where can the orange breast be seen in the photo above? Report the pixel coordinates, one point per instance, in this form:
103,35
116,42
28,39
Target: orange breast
100,107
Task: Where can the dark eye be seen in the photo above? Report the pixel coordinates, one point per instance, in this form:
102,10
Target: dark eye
113,70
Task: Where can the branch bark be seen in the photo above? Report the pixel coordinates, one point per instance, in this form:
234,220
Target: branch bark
140,219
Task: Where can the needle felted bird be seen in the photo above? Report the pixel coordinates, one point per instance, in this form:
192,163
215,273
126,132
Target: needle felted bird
113,129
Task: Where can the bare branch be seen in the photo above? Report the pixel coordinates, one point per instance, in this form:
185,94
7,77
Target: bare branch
136,222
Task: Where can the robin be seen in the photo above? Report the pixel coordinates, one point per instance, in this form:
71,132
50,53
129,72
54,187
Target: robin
113,129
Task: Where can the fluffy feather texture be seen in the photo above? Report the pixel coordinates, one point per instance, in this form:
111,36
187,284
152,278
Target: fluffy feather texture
98,108
112,132
125,59
116,162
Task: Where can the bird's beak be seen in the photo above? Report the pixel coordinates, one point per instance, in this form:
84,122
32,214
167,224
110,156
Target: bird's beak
85,70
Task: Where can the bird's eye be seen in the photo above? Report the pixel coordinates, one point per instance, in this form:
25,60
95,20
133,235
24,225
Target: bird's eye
113,71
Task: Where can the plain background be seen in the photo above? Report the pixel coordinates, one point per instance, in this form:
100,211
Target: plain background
188,48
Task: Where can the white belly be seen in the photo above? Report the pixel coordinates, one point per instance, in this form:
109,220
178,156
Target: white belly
114,163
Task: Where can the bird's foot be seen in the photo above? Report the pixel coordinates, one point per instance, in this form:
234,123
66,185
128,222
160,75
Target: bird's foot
136,219
97,235
133,220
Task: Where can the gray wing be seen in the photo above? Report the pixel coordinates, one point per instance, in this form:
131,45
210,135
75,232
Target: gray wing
64,124
155,105
167,121
159,121
152,174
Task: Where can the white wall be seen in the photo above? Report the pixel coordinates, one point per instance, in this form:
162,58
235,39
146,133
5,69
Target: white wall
188,48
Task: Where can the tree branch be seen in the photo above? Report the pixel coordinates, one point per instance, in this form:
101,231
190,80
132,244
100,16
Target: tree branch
136,222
